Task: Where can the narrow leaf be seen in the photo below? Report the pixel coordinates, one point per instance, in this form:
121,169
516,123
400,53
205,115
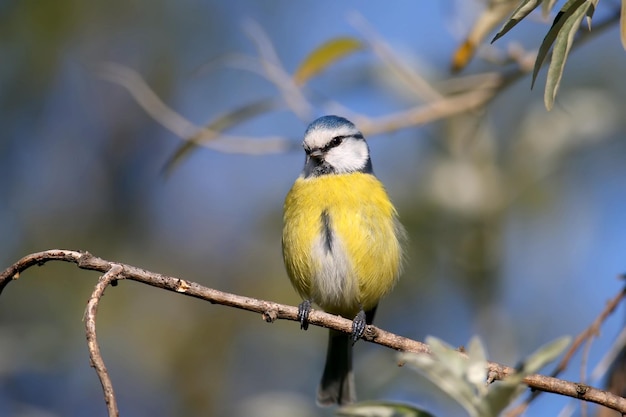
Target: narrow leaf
448,355
213,129
462,55
525,7
325,55
559,55
564,14
622,24
381,409
445,377
502,393
544,355
591,9
477,363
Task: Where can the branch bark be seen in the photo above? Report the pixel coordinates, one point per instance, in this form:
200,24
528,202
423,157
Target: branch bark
270,311
92,341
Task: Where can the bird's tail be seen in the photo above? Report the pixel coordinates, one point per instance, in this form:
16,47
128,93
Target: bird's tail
337,386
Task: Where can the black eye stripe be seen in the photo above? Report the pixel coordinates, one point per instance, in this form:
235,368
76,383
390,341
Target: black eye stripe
336,141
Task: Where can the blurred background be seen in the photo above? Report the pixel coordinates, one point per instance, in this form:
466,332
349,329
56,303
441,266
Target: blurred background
516,215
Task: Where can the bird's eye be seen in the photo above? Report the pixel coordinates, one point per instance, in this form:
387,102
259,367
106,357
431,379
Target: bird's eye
336,141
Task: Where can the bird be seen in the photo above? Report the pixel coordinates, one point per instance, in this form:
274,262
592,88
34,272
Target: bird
342,243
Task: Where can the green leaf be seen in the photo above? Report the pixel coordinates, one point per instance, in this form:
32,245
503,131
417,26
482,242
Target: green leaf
477,364
525,7
464,378
445,379
562,46
590,11
381,409
544,355
217,126
325,55
568,9
448,355
447,369
502,393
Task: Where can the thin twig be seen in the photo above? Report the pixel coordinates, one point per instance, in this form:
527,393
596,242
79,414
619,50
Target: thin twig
92,342
271,311
609,357
399,67
585,335
590,331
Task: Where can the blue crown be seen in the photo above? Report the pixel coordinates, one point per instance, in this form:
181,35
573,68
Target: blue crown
329,122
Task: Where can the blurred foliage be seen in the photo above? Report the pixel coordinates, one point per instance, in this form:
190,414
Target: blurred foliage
565,26
497,198
463,379
381,409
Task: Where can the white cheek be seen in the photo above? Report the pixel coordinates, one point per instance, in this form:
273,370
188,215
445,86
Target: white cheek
350,156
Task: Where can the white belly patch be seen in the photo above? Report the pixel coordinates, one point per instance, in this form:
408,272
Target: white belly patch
334,284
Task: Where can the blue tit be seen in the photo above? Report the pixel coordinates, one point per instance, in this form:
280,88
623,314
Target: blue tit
342,242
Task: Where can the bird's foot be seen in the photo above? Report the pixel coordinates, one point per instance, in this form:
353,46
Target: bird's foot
303,314
358,326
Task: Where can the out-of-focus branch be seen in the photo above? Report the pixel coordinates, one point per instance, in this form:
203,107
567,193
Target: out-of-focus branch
399,67
454,96
275,72
147,98
180,126
616,377
271,311
590,332
429,112
474,97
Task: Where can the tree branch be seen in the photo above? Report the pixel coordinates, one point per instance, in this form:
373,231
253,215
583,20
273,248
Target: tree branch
270,311
92,342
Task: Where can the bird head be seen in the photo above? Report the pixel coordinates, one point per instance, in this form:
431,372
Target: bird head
333,145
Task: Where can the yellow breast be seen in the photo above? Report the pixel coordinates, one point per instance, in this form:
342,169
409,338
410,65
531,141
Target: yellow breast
341,241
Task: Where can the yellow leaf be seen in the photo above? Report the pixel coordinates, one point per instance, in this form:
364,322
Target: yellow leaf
462,55
323,56
489,18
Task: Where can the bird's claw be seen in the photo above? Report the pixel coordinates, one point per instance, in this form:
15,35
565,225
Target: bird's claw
303,314
358,327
